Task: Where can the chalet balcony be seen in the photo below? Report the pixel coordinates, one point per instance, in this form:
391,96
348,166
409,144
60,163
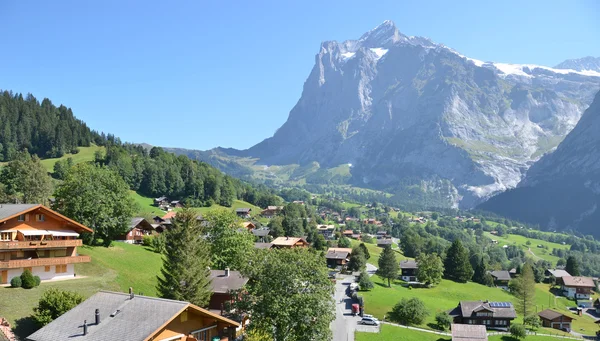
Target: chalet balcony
23,263
39,244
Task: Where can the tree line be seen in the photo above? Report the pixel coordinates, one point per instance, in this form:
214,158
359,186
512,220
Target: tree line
42,128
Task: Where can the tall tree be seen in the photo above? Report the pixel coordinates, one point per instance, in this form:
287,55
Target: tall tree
573,266
230,245
388,266
431,269
96,197
456,265
357,260
289,295
26,180
365,250
292,221
524,289
185,274
480,272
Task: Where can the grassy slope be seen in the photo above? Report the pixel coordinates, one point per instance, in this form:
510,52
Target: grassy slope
538,252
393,333
85,154
375,251
447,294
116,268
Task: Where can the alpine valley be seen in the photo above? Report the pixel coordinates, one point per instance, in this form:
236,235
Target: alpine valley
414,118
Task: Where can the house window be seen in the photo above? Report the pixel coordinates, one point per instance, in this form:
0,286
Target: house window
61,269
501,323
47,268
40,217
487,322
184,316
5,236
21,217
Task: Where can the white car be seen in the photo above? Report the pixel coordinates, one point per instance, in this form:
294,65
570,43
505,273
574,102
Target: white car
370,316
371,321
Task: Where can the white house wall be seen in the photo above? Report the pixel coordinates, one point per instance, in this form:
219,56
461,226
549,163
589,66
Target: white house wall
40,271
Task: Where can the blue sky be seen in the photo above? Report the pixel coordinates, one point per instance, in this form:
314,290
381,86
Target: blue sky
201,74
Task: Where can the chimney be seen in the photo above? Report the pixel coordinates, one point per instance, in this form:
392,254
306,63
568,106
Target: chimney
131,294
84,327
97,314
226,272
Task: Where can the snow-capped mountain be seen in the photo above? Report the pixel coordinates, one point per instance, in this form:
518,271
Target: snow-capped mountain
421,120
562,190
581,64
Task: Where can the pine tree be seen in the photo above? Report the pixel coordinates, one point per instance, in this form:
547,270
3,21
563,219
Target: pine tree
388,266
480,272
185,271
524,289
456,265
572,266
365,250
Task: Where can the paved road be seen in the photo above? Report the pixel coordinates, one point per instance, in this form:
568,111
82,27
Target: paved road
371,269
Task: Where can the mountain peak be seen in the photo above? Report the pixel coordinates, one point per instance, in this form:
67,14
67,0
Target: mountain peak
588,63
384,34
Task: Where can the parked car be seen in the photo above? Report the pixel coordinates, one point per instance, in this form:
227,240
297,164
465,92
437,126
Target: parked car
371,321
370,316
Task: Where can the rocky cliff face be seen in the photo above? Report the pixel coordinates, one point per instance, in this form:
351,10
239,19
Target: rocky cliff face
419,119
581,64
562,190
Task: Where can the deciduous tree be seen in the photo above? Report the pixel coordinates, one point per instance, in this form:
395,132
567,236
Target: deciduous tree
409,311
53,303
357,260
26,180
230,245
431,269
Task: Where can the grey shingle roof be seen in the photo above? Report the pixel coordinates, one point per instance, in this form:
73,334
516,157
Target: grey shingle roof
468,332
138,318
337,255
262,232
222,284
558,273
263,245
500,275
467,308
9,210
408,264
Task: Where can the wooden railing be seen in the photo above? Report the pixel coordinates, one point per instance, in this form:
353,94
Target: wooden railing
39,244
22,263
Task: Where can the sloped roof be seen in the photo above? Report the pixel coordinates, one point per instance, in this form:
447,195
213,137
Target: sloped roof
261,232
468,332
263,245
169,215
136,320
578,281
339,249
384,242
550,314
468,307
337,255
243,210
220,283
408,264
558,273
500,275
9,211
287,241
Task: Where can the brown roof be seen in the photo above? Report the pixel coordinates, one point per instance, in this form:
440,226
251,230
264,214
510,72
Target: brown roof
221,283
248,224
578,281
348,232
339,249
169,215
468,332
9,211
337,255
287,241
550,314
500,275
468,307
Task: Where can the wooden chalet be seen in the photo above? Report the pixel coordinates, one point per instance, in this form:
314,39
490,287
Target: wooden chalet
326,230
243,212
138,228
408,270
493,315
556,320
271,211
248,225
501,278
37,238
577,287
224,284
282,242
337,256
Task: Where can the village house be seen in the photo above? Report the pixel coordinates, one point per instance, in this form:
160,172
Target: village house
408,270
555,275
261,234
271,211
326,230
176,204
356,236
468,332
577,287
384,242
382,234
138,228
501,278
39,239
118,316
263,245
161,201
282,242
243,213
223,284
337,256
348,233
556,320
248,225
493,315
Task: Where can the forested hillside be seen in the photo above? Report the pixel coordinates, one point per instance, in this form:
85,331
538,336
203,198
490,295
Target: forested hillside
41,128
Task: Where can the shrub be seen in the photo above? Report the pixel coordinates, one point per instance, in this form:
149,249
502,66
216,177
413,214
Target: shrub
27,280
15,282
409,311
159,243
364,281
533,321
37,280
517,331
443,320
147,240
53,303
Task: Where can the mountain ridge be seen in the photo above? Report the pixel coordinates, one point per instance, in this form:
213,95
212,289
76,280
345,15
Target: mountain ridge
409,113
